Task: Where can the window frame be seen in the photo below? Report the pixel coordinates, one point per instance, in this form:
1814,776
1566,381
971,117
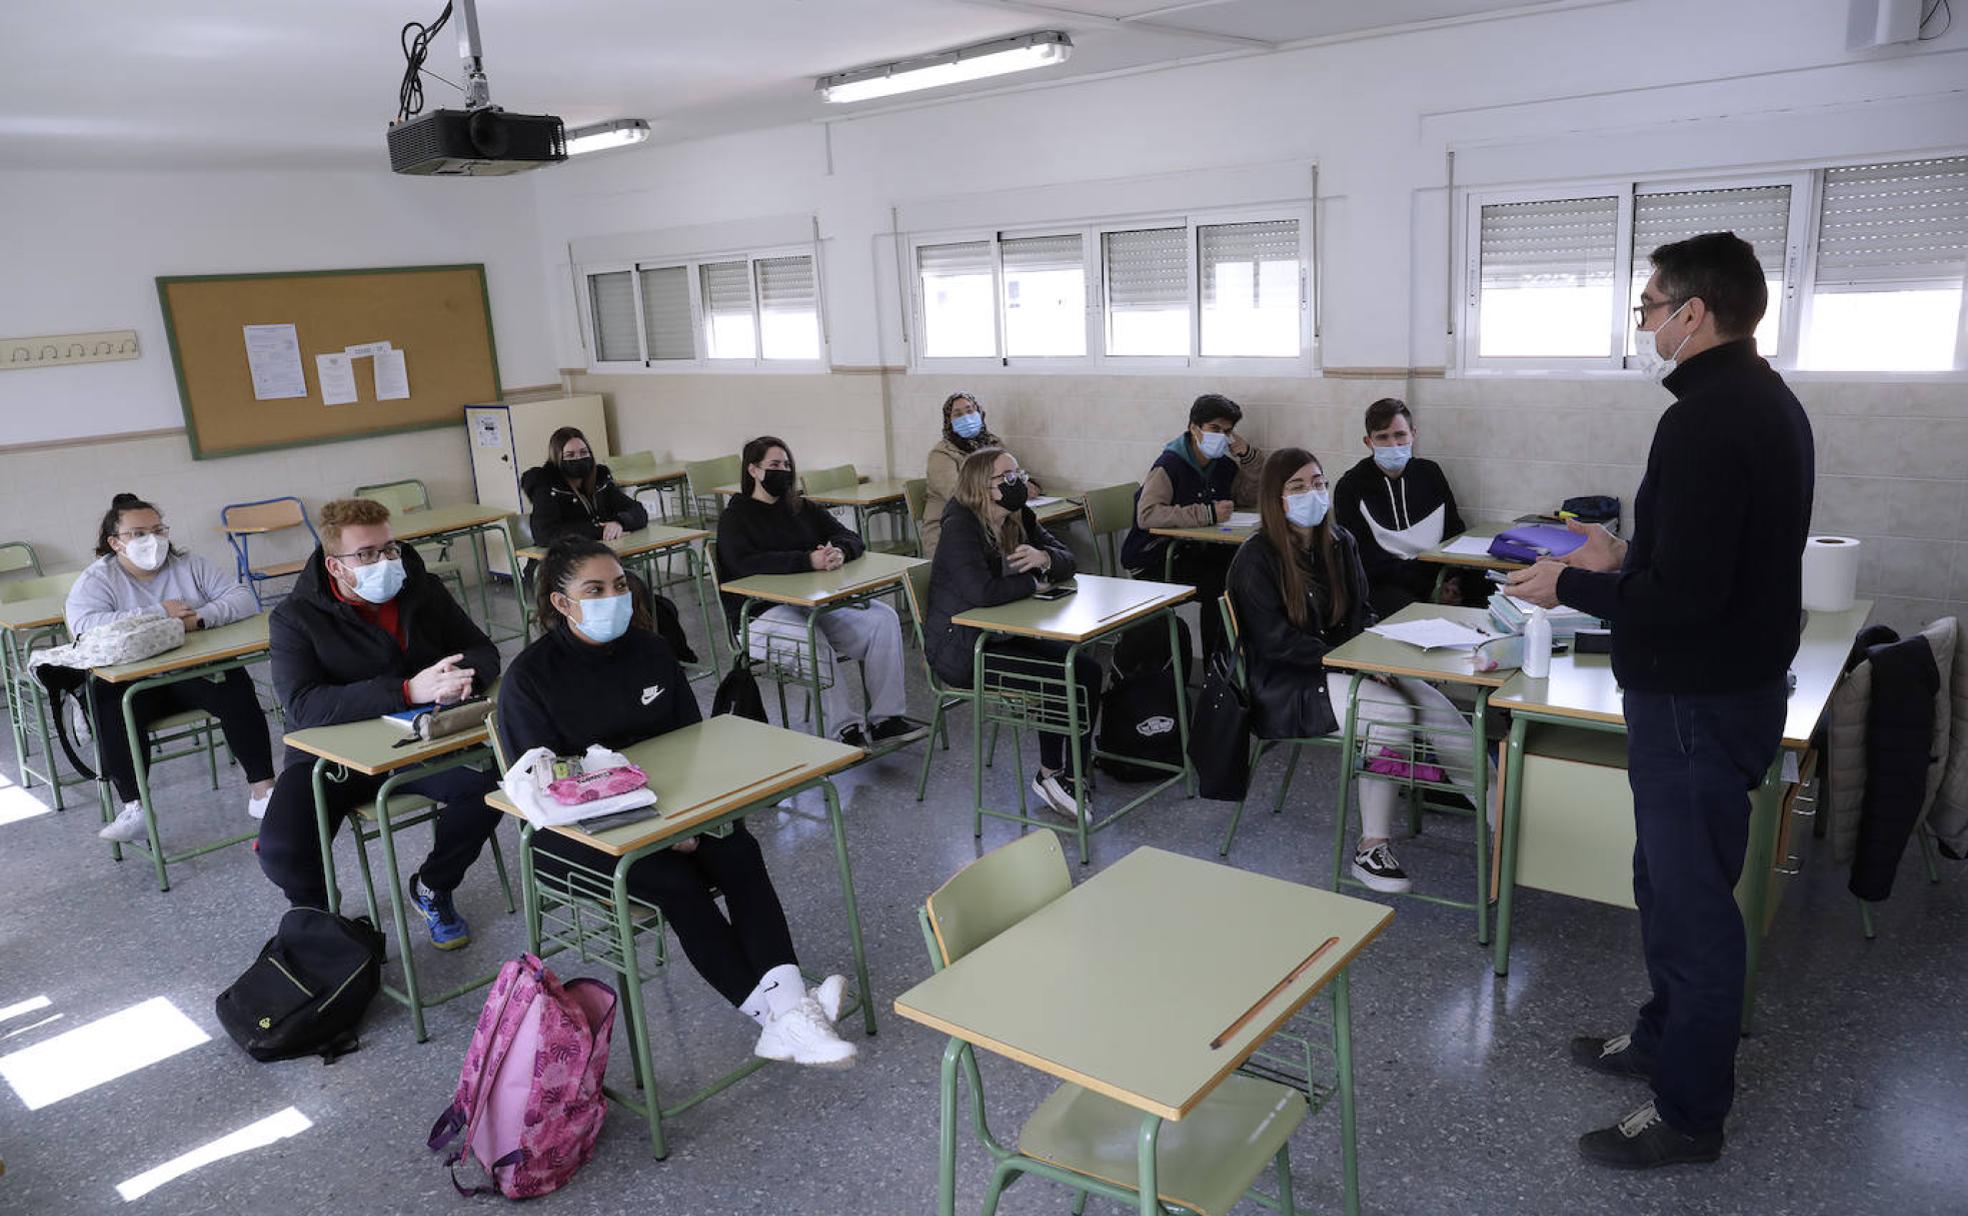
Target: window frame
701,361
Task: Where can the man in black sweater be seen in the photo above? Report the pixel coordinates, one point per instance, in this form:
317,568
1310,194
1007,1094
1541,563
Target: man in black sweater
1706,609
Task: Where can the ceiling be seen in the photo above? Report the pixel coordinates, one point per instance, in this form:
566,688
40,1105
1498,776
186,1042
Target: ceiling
213,83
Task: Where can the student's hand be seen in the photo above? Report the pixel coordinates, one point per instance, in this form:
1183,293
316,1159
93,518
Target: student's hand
177,608
611,531
685,846
1223,509
1602,551
442,682
1238,446
1537,584
827,557
192,622
1027,560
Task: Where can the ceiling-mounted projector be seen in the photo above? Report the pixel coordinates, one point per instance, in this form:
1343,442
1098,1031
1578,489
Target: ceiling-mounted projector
480,140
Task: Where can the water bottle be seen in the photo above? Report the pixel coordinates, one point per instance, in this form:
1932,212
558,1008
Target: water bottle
1537,645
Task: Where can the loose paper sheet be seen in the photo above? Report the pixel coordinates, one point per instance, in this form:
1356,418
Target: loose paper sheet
392,379
1468,546
1432,634
362,350
337,376
273,355
1242,519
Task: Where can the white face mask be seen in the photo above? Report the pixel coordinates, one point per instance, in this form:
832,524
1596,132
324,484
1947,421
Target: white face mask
1647,350
147,553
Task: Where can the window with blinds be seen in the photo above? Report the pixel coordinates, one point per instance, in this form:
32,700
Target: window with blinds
1891,265
789,308
666,328
1757,214
611,299
959,300
1044,296
1147,278
1250,289
727,309
1546,278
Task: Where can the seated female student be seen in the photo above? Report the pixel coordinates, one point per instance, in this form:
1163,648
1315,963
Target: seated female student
994,551
574,496
602,675
964,431
1299,590
768,528
139,573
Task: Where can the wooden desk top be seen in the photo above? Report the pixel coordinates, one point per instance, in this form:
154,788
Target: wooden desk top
1486,532
709,769
1582,687
202,646
370,747
869,571
661,473
1218,534
1385,656
1120,984
416,525
1101,605
866,494
37,613
651,539
1064,511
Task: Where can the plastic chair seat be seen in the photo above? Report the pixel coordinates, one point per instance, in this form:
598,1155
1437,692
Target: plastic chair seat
1204,1162
400,806
281,569
185,717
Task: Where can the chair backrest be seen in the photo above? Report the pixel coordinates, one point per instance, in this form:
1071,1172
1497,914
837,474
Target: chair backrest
19,555
840,477
15,590
498,745
707,475
915,492
267,515
1230,634
915,585
631,466
401,497
1110,512
994,893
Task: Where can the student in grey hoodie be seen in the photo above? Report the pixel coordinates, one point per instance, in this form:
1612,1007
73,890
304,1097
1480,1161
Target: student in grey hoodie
139,573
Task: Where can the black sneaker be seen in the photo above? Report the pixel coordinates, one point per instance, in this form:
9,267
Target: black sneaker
1377,869
1057,790
894,728
853,736
1616,1057
1644,1141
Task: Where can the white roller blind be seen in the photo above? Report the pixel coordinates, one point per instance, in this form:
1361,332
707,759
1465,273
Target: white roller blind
1757,214
959,306
1250,290
1895,225
1266,243
1561,242
1043,253
1147,269
789,320
1044,296
613,298
727,292
963,258
666,313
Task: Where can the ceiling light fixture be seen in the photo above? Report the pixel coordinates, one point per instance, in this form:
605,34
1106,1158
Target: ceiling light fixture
985,59
601,136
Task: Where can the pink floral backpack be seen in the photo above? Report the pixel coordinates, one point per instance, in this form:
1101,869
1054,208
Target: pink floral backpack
529,1105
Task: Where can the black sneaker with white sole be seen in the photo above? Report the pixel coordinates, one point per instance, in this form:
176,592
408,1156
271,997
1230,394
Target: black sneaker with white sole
1644,1141
853,736
889,729
1616,1057
1377,870
1056,790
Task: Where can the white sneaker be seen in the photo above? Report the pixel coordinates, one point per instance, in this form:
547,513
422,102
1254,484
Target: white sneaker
127,826
1056,789
1377,870
802,1035
256,805
830,996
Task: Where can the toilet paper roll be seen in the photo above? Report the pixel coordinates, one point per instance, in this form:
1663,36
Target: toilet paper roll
1831,573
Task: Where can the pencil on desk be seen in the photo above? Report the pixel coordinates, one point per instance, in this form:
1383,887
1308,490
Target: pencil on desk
1231,1030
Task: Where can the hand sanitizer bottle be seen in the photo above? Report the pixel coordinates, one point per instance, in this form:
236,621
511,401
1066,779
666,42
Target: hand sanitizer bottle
1537,645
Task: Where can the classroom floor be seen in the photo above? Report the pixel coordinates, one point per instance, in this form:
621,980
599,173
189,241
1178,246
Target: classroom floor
1850,1098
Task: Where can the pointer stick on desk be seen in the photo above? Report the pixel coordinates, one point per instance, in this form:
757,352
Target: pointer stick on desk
1230,1031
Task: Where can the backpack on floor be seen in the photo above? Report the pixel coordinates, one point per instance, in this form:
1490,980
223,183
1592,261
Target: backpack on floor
306,992
529,1105
1138,710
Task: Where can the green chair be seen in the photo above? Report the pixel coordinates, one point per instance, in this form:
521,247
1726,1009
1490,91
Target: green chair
1260,746
1205,1162
1109,514
916,586
822,481
788,658
631,466
27,702
705,476
406,497
17,555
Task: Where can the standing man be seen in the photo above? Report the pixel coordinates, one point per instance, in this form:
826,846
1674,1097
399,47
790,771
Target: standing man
1706,609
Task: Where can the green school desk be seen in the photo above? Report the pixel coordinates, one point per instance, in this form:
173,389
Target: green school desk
439,525
868,500
23,625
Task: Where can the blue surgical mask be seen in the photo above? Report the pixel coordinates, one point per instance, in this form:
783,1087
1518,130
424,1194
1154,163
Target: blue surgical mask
1307,510
605,619
1215,444
968,426
378,582
1394,459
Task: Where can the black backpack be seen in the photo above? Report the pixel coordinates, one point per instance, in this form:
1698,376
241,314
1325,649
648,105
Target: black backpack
305,993
1138,711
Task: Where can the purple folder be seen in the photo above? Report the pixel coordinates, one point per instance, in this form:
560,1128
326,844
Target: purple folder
1532,541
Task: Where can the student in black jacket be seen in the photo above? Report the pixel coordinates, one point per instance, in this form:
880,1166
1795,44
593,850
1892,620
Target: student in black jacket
574,496
1299,590
993,551
602,675
1396,505
368,631
1706,606
769,528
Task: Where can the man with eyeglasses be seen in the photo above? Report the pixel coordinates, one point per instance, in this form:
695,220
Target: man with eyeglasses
1706,606
368,631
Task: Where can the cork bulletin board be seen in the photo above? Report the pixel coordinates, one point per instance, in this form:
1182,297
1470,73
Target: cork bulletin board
440,317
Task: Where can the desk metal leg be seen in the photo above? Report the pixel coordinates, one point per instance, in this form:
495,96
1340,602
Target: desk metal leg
1181,703
1511,814
1078,762
977,737
1479,771
1343,1057
394,880
140,765
946,1149
1347,775
861,982
633,1007
325,829
1766,808
694,563
1149,1200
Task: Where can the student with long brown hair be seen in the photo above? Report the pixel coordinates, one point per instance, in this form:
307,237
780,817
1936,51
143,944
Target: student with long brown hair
573,495
1299,590
994,551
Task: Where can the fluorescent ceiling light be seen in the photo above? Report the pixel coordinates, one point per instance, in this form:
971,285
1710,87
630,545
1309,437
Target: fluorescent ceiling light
950,67
601,136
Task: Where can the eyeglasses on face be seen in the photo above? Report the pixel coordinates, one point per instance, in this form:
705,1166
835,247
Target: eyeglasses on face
1646,308
370,555
160,531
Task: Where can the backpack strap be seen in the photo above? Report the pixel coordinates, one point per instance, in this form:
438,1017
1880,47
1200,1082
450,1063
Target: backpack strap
339,1046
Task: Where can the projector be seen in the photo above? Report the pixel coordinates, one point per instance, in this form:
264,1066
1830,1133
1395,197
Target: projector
483,142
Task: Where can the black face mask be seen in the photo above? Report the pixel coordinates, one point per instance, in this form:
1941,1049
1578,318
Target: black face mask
777,481
1012,496
577,467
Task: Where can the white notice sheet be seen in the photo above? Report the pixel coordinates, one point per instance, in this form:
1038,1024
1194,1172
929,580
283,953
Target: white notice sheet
392,378
1432,633
1243,519
1468,546
273,355
337,375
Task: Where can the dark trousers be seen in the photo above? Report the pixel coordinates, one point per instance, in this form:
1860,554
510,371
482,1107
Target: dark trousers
290,845
230,700
1204,566
732,954
1042,657
1691,761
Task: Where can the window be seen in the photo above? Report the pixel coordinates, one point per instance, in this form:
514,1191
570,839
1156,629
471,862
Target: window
1250,296
1892,256
789,308
728,329
1147,291
1757,214
727,313
666,313
611,297
1546,278
1044,296
959,312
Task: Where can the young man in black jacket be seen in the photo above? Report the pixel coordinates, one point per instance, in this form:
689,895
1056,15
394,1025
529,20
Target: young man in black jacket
1706,605
1396,505
368,631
